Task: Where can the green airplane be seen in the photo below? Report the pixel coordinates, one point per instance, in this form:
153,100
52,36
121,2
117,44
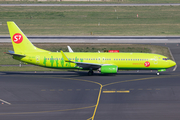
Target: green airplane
105,63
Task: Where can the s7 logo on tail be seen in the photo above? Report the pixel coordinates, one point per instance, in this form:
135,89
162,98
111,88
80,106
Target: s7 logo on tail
17,38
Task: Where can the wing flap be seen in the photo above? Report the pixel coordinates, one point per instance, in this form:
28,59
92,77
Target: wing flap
88,65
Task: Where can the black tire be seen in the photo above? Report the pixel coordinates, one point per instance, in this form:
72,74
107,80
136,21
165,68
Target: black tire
90,73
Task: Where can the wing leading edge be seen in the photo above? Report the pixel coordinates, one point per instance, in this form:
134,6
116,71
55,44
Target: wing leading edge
82,65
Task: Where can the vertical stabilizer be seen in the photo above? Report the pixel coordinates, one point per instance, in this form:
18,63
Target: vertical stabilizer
20,42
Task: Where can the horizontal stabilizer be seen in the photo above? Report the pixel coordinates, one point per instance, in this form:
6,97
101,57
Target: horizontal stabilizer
12,53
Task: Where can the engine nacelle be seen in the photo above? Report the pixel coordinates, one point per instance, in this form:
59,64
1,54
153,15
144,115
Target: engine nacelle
109,69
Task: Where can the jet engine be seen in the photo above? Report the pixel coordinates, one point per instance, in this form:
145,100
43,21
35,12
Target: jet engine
108,69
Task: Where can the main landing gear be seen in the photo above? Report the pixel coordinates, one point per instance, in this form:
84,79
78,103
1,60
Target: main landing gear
90,72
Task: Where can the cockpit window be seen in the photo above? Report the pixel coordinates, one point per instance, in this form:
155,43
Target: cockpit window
165,58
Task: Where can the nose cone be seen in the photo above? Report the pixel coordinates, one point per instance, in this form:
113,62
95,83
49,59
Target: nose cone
172,63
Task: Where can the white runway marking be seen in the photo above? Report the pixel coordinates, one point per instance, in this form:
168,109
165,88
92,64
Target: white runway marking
172,58
5,102
134,39
175,68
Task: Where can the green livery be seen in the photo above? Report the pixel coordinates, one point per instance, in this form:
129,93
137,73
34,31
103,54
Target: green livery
25,51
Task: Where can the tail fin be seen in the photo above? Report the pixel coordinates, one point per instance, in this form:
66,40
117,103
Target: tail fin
20,42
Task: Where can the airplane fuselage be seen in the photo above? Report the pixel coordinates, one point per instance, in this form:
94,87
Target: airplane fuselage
121,60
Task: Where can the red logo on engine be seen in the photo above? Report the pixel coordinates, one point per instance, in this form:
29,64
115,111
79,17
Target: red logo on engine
17,38
147,64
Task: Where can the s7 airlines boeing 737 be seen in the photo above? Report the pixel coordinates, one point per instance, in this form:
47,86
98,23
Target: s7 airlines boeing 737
108,63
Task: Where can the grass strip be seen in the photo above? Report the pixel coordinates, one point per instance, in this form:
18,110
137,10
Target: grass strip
93,21
91,2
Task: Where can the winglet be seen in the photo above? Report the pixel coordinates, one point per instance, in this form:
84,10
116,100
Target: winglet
69,48
65,57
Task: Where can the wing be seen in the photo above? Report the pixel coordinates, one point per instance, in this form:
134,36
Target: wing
82,65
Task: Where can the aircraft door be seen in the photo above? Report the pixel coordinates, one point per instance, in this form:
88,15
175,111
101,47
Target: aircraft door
99,59
37,59
155,60
103,60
